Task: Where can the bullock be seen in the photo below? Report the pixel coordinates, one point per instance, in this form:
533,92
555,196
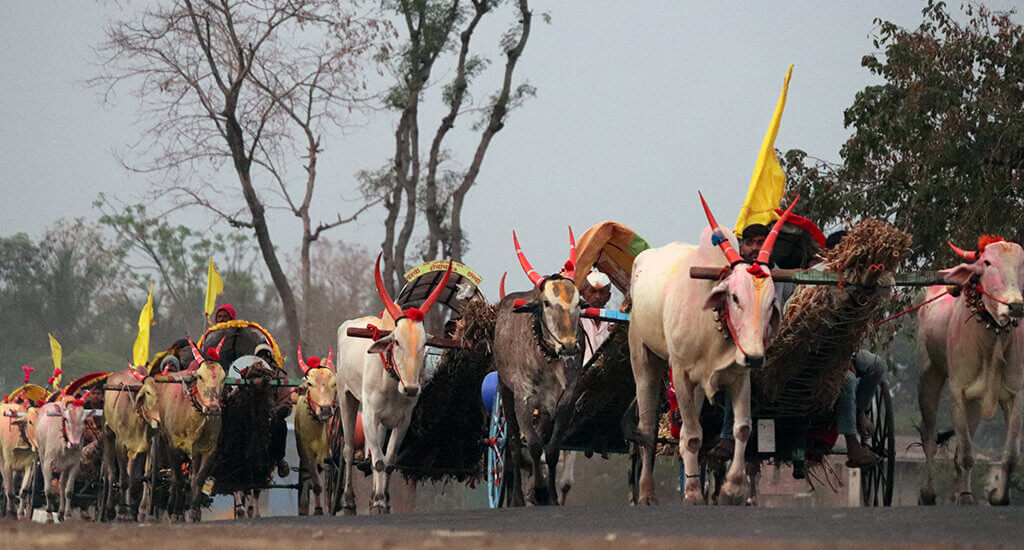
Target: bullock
17,457
983,360
538,356
677,323
314,410
385,376
126,437
59,429
186,413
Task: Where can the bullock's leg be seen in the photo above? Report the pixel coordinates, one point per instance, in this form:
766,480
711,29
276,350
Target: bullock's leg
513,468
255,495
52,496
110,473
648,370
753,477
691,435
318,487
8,474
135,490
999,494
552,453
739,391
965,420
565,479
374,432
524,414
929,389
27,486
394,443
67,485
304,485
198,472
349,408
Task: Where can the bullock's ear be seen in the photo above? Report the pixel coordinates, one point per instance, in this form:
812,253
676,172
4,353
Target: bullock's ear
381,346
776,319
959,275
717,297
529,307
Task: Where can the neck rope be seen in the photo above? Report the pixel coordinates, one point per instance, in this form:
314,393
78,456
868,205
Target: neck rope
974,302
538,335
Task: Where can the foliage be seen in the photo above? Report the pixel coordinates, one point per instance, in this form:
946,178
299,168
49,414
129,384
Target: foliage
938,146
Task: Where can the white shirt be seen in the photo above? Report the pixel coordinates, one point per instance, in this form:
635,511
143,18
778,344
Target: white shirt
597,332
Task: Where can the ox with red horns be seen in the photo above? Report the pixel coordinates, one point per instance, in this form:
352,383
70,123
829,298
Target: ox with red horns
708,333
314,409
973,341
384,375
538,357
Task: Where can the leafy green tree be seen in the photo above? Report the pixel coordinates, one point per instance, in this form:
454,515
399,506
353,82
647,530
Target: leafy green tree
938,146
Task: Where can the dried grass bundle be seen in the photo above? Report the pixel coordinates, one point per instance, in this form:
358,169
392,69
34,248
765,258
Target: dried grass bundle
824,325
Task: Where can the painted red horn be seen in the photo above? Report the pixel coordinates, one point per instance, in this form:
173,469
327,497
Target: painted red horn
717,237
769,242
330,359
535,277
302,362
501,286
393,310
138,375
195,351
570,266
429,302
969,255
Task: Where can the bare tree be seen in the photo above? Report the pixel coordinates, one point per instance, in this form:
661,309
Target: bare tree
413,183
252,82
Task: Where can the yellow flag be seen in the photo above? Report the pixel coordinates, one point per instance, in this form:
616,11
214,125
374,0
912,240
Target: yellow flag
214,286
57,353
140,353
768,181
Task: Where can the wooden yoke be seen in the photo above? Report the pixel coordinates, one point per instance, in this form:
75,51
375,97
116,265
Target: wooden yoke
434,341
809,277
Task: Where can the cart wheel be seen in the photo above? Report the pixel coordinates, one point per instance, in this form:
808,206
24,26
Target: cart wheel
876,484
496,454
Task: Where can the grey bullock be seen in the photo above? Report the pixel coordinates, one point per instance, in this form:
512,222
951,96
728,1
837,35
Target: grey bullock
538,356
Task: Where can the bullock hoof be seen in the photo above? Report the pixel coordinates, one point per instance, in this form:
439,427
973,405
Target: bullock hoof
541,496
647,501
965,499
752,501
926,498
732,495
318,511
283,469
995,500
348,510
239,511
378,510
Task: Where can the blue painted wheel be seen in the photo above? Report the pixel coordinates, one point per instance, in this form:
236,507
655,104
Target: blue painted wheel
496,453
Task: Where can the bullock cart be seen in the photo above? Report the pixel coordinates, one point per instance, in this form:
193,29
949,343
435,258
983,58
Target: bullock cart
793,422
444,439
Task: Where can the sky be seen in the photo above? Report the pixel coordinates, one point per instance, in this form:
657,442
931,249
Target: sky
639,105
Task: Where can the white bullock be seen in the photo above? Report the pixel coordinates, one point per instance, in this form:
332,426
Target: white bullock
974,341
678,323
385,376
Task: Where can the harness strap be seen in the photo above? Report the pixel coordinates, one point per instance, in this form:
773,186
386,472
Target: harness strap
387,357
910,309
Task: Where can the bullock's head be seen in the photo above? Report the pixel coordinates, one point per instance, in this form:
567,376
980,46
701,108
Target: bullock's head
996,267
404,347
73,418
745,297
556,302
206,384
320,385
145,400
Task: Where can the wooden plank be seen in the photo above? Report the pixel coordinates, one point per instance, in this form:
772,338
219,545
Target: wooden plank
810,277
434,341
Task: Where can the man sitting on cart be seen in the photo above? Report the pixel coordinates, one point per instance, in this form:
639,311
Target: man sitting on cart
596,291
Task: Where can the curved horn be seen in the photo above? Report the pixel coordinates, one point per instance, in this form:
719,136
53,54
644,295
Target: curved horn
429,302
330,359
571,249
219,345
302,362
389,305
138,375
535,277
501,286
717,237
969,255
195,351
769,242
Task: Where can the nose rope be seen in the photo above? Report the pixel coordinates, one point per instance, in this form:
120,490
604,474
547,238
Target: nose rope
732,331
388,357
981,289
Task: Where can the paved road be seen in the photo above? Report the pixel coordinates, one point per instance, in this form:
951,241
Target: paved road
946,524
